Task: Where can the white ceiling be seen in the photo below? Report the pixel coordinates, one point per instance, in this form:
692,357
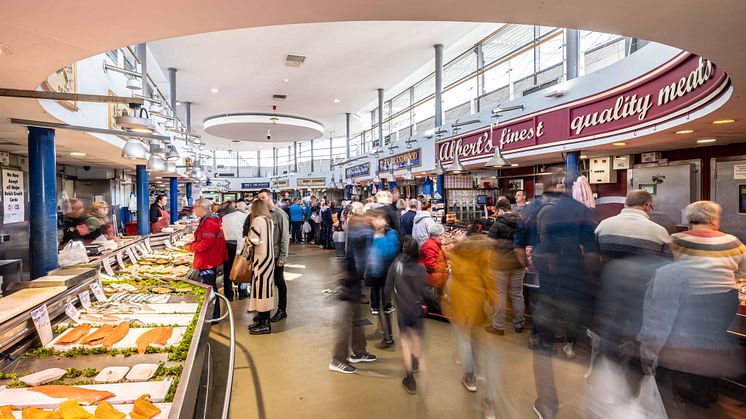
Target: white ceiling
345,60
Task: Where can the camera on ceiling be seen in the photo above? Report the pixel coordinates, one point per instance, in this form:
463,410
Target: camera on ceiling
269,135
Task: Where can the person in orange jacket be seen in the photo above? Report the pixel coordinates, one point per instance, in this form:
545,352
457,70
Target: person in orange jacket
208,247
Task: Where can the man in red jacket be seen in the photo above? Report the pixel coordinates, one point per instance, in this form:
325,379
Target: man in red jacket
208,247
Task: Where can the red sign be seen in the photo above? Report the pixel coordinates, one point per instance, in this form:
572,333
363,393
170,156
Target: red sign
682,85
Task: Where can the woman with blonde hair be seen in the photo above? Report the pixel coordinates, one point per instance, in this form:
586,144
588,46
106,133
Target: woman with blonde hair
259,230
98,221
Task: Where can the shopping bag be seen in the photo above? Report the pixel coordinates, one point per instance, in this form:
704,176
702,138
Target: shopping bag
648,404
242,269
72,254
306,227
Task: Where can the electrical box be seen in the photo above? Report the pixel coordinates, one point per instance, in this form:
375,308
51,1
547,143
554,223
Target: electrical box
622,162
601,170
650,157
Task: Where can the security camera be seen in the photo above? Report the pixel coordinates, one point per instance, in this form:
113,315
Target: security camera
86,168
269,135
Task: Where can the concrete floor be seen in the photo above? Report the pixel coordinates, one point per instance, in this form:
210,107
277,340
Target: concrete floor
285,374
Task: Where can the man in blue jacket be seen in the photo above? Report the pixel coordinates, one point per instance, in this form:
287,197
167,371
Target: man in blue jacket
296,221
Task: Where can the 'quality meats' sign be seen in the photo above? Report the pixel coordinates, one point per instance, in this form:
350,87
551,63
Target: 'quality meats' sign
688,83
357,171
406,160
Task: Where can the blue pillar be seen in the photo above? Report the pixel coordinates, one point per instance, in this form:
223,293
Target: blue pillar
440,181
190,200
572,169
43,199
173,200
143,207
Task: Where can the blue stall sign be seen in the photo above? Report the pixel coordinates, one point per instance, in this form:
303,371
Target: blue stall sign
357,171
255,185
406,160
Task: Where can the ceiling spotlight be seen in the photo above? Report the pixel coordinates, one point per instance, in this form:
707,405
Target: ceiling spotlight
134,84
214,90
5,50
619,144
583,156
77,154
685,131
514,165
155,162
336,101
134,150
724,121
136,123
706,140
285,80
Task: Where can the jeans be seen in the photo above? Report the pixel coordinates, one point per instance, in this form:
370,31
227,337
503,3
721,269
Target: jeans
209,277
296,232
476,355
508,283
347,331
376,295
282,288
326,236
227,266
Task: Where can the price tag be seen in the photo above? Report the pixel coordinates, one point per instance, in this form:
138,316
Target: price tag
147,245
40,316
143,249
107,266
131,255
85,299
72,312
120,260
98,292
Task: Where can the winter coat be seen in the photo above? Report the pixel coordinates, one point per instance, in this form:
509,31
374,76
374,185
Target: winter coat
471,281
296,213
433,258
406,281
503,232
209,243
407,222
422,220
359,238
383,250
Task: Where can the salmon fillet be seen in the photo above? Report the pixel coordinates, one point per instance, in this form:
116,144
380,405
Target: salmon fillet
6,412
74,335
96,337
117,334
34,413
82,395
105,410
156,336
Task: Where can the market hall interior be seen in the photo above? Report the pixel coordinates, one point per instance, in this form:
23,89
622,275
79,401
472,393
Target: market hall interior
132,150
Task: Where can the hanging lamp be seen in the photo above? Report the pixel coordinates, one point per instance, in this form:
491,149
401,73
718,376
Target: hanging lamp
134,150
456,167
497,161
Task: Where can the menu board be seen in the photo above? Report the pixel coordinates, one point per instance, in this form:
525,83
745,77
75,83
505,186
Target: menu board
13,196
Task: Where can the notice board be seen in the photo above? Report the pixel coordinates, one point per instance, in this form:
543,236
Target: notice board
13,196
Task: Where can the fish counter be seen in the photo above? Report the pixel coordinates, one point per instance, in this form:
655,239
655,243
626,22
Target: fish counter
127,341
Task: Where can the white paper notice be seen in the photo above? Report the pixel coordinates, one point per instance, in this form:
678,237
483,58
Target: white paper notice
72,312
85,299
98,292
739,171
13,200
40,316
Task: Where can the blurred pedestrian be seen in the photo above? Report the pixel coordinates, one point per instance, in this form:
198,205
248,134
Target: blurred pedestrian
384,248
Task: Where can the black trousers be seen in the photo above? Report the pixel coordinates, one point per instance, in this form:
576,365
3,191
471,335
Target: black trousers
282,288
227,266
296,229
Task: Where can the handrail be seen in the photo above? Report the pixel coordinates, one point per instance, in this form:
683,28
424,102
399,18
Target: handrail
231,357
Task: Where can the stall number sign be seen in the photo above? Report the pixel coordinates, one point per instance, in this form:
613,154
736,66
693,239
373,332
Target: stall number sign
13,200
40,316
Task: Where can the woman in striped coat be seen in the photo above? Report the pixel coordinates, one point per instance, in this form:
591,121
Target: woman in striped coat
262,298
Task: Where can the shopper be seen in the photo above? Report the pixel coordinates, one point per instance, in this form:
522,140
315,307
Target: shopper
384,202
73,224
296,221
407,218
348,330
98,222
262,295
404,286
208,246
520,201
234,239
159,217
315,220
509,273
281,242
401,206
327,222
384,248
242,207
422,221
433,258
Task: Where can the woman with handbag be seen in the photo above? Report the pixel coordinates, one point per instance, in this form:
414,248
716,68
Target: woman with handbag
259,250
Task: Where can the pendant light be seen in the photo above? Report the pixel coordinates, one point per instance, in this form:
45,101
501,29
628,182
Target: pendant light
172,154
156,163
409,175
456,167
134,150
170,167
439,170
136,123
134,84
497,161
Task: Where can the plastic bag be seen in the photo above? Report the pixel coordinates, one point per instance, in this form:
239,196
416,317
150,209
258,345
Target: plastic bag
307,227
648,404
72,254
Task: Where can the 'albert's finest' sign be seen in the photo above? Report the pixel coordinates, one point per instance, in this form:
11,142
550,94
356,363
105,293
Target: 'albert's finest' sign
682,85
400,161
357,171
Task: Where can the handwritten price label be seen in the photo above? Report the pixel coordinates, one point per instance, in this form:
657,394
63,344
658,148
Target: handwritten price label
98,292
40,316
72,312
85,299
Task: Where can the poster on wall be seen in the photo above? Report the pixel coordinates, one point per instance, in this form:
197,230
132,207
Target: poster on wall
13,196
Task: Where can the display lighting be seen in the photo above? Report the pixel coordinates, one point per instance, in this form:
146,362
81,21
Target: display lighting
685,131
619,144
214,90
456,167
136,123
170,167
706,140
336,101
134,150
497,161
172,154
77,154
134,84
500,109
724,121
583,156
155,162
439,170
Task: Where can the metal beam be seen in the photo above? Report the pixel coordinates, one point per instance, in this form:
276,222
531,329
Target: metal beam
56,125
76,97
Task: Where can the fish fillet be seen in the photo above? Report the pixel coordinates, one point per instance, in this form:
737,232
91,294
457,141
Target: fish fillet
75,334
6,412
158,335
96,337
117,334
70,409
34,413
144,408
82,395
104,410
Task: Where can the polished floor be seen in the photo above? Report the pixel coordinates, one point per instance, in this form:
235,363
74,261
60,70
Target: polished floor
285,374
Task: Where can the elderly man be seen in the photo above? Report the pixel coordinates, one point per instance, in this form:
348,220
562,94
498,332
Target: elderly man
407,219
208,246
281,241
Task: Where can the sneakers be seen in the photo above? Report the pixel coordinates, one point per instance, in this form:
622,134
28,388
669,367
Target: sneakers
540,412
409,384
342,367
470,382
491,329
363,357
569,350
374,311
488,409
519,329
385,344
389,310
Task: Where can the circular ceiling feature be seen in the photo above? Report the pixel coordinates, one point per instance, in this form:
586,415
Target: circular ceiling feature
263,127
